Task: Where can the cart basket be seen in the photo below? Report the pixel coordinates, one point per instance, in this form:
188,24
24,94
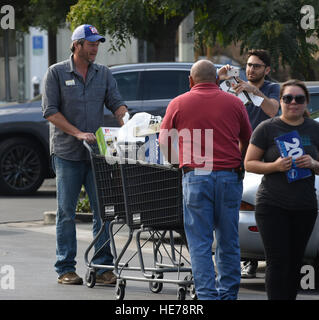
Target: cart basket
153,196
108,183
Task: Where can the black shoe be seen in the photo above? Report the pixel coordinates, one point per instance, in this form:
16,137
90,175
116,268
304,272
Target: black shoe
248,269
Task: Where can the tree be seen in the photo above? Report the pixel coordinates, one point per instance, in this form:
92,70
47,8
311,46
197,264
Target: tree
155,21
46,14
274,25
50,15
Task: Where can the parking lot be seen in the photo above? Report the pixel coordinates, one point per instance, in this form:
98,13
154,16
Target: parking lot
28,246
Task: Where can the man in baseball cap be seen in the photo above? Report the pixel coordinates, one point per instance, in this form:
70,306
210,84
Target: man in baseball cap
87,32
75,93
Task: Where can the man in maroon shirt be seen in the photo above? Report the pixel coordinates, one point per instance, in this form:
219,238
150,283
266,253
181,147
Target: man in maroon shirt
213,132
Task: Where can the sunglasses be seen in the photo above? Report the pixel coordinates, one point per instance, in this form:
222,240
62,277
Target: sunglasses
255,65
300,98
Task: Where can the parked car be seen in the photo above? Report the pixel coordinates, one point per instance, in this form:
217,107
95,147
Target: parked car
24,133
313,105
24,148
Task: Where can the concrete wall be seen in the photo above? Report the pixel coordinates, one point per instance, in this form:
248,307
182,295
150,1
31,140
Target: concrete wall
186,39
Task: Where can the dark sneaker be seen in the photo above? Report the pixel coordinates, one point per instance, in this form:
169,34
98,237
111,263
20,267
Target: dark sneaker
107,278
70,278
248,269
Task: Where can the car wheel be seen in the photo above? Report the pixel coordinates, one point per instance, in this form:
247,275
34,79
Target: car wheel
22,166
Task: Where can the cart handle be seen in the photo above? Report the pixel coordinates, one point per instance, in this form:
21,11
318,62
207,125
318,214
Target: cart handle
87,146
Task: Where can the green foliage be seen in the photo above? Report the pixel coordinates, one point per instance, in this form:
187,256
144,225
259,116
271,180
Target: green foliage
269,24
155,21
46,14
273,25
314,115
83,204
50,14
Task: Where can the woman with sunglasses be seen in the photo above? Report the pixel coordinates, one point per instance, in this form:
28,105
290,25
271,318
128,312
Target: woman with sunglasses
285,212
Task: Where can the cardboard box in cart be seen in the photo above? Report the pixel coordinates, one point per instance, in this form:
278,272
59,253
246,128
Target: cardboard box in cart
106,139
153,152
151,148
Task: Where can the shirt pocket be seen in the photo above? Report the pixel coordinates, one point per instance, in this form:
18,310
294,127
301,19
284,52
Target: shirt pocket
97,93
72,95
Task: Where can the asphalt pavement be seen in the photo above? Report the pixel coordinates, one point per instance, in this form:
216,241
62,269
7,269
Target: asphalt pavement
27,257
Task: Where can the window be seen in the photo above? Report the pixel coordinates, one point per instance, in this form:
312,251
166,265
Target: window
314,102
164,84
128,85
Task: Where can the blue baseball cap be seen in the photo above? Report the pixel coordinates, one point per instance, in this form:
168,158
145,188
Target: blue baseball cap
87,32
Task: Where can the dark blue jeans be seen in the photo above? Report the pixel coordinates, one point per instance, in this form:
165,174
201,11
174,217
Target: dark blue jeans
211,202
70,176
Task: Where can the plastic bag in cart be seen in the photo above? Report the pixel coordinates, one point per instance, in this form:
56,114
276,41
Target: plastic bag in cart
142,130
140,125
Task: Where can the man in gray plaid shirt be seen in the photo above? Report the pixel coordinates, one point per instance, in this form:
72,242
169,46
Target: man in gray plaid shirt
75,92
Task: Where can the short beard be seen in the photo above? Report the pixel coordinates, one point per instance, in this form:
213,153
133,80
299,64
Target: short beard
257,80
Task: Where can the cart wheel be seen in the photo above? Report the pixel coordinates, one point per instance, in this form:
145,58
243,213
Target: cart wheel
156,287
181,293
189,277
90,278
191,287
120,291
192,292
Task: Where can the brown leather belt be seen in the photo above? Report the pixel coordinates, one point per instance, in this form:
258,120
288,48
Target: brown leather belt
188,169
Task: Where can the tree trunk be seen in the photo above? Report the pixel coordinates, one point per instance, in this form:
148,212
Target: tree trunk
304,72
52,46
163,38
165,48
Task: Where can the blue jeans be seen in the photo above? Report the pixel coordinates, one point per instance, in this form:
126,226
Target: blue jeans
211,203
70,176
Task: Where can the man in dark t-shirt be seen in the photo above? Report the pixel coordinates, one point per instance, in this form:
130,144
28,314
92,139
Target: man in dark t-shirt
257,68
257,114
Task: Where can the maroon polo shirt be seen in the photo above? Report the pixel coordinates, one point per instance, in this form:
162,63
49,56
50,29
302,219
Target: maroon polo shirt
210,124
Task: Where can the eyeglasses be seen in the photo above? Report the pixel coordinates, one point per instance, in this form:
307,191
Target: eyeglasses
255,65
300,98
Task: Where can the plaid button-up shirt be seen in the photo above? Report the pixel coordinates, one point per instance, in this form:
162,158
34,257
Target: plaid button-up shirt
81,103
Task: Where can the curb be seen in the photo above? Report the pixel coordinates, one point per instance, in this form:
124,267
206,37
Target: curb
49,217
